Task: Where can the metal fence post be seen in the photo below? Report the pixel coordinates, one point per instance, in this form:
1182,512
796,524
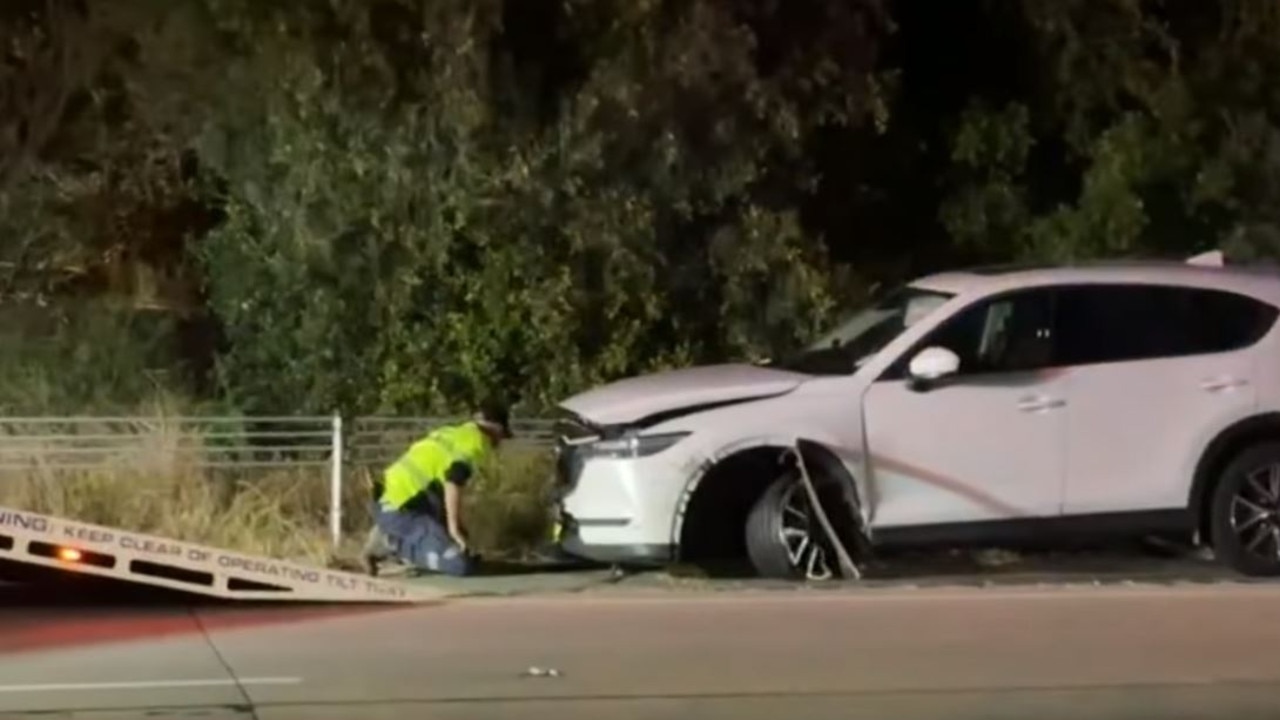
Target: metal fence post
335,484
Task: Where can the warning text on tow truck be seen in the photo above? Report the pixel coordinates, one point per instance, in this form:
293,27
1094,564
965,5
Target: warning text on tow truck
92,537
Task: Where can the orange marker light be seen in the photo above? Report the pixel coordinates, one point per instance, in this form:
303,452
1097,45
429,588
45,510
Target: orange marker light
68,554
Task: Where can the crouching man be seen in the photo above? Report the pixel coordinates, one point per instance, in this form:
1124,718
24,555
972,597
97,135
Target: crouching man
418,504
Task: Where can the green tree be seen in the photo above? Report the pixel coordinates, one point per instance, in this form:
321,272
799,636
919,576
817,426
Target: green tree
403,205
393,241
94,205
1156,111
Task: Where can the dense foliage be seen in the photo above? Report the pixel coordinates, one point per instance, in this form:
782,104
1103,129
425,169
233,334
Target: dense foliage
403,205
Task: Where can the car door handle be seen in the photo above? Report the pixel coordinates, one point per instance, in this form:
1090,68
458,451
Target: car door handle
1037,403
1218,384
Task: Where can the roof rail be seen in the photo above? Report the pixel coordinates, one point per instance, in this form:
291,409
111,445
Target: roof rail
1213,258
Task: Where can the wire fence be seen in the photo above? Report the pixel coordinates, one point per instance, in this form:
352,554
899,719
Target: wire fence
373,441
53,445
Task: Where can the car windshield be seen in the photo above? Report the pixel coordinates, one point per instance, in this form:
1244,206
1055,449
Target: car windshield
858,338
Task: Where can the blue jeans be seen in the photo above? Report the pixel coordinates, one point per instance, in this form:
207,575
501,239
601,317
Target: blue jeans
419,540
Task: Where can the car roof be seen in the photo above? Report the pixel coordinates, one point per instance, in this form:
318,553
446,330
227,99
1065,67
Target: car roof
1259,281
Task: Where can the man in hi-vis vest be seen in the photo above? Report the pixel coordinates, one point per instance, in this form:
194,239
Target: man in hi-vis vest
418,503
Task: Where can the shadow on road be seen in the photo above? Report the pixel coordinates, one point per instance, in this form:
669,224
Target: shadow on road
1091,563
44,610
506,568
37,587
27,587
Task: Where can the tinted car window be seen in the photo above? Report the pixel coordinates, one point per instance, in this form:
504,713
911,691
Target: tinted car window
857,339
1006,334
1117,323
1224,321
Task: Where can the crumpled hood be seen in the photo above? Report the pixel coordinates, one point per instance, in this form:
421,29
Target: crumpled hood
639,397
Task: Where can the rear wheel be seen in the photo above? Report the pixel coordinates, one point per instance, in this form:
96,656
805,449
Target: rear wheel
784,539
1246,512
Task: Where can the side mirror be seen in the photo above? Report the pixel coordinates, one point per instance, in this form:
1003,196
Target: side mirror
933,364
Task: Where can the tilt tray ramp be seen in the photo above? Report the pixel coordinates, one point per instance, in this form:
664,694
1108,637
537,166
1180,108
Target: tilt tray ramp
59,544
55,543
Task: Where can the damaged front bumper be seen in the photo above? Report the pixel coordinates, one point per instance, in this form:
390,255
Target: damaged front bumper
567,538
612,506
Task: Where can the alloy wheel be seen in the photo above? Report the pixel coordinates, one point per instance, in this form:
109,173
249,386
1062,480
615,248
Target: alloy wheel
804,551
1255,513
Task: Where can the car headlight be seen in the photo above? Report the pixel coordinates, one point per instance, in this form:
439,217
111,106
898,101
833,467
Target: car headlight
632,446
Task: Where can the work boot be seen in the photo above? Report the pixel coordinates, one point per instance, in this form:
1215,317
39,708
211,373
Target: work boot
377,549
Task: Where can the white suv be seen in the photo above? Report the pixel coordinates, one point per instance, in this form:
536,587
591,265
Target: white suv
991,405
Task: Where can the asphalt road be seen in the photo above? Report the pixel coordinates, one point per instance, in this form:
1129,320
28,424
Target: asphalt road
1004,652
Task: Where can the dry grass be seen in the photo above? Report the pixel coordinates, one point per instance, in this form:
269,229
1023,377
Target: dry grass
157,486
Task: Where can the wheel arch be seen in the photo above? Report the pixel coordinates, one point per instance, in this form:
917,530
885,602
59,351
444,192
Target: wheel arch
820,459
1217,453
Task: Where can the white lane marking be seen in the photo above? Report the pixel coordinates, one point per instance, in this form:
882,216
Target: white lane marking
147,685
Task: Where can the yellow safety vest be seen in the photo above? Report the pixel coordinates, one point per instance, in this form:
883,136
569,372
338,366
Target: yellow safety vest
426,461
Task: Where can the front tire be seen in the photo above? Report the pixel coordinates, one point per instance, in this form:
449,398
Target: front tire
784,540
1245,514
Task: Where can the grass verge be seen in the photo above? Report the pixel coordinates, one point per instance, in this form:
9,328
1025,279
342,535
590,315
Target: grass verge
157,485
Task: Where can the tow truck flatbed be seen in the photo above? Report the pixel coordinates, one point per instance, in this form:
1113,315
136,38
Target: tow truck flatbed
51,542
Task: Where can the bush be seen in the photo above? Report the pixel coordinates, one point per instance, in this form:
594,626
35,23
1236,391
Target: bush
506,509
157,487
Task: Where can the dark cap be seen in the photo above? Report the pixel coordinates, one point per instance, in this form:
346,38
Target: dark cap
496,413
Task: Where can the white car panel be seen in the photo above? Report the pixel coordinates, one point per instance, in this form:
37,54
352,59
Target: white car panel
968,451
627,501
634,398
1134,426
